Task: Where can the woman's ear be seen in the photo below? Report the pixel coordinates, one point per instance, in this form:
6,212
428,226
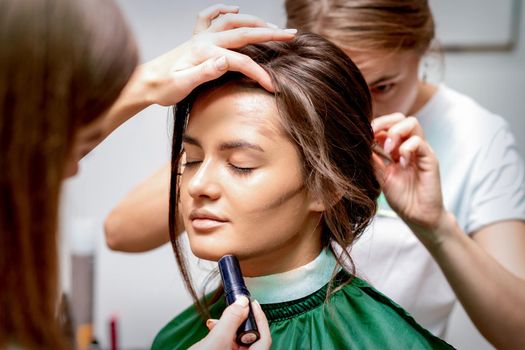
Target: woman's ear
317,205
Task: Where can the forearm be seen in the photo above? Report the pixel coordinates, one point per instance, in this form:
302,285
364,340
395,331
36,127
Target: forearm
140,221
493,297
133,99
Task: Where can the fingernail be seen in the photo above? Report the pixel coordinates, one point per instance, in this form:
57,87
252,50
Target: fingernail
403,162
290,30
221,63
271,25
389,144
242,301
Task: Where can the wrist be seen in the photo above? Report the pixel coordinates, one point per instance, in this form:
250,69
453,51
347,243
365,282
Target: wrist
141,87
435,236
131,101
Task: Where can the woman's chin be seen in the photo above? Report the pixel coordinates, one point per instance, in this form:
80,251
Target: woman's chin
210,252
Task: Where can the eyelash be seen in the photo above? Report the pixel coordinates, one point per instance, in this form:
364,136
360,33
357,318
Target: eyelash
236,169
239,170
190,164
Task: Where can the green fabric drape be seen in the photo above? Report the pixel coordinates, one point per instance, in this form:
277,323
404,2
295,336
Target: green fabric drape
355,317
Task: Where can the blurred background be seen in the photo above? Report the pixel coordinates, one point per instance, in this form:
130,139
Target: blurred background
484,58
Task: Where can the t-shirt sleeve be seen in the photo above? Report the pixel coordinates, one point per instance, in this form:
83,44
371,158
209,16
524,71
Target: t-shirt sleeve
498,183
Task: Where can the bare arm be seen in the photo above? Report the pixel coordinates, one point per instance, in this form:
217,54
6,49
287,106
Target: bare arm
140,221
487,273
487,270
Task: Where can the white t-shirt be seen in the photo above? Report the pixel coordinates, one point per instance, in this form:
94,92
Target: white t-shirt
483,181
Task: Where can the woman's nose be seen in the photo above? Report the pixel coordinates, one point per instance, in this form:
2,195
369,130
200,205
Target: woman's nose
203,183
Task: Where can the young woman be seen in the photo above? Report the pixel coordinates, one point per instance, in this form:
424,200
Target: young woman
440,238
63,64
277,179
473,249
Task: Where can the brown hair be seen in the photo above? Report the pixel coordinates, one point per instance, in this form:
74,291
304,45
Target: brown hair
366,25
325,108
62,64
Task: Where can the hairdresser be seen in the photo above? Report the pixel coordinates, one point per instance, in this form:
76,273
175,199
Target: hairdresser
441,235
440,238
67,79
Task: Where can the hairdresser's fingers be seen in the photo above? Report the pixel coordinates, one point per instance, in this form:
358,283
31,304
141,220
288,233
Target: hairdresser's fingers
213,68
185,80
417,151
237,20
239,37
245,65
265,341
400,131
240,63
206,16
384,122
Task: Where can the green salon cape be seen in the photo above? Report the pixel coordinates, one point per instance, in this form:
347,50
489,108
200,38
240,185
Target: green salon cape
356,317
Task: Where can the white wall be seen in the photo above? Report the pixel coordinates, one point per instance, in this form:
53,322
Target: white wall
144,290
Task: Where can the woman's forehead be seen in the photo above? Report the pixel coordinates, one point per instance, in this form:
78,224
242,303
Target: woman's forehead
238,106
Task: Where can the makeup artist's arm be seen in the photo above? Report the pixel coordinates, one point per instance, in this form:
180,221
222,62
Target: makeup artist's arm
222,332
169,78
486,270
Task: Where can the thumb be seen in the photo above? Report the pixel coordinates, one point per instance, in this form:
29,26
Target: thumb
212,68
231,319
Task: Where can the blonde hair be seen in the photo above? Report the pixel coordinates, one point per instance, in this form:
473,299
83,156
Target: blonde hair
366,25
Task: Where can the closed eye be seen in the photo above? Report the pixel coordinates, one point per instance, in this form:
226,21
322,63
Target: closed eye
189,164
240,170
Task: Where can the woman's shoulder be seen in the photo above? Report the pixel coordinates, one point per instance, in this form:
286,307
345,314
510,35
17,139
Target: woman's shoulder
355,316
185,329
386,313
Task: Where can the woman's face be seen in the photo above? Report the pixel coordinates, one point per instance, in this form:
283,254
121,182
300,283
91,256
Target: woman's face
242,190
392,79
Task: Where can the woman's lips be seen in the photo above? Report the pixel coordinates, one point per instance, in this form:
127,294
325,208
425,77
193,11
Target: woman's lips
203,220
206,224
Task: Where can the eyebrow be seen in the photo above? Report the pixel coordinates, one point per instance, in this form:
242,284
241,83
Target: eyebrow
235,144
383,79
191,140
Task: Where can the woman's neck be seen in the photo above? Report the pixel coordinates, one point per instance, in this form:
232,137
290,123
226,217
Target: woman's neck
293,254
293,284
299,250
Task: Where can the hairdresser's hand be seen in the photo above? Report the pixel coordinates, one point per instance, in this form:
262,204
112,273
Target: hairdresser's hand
222,332
172,76
411,182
